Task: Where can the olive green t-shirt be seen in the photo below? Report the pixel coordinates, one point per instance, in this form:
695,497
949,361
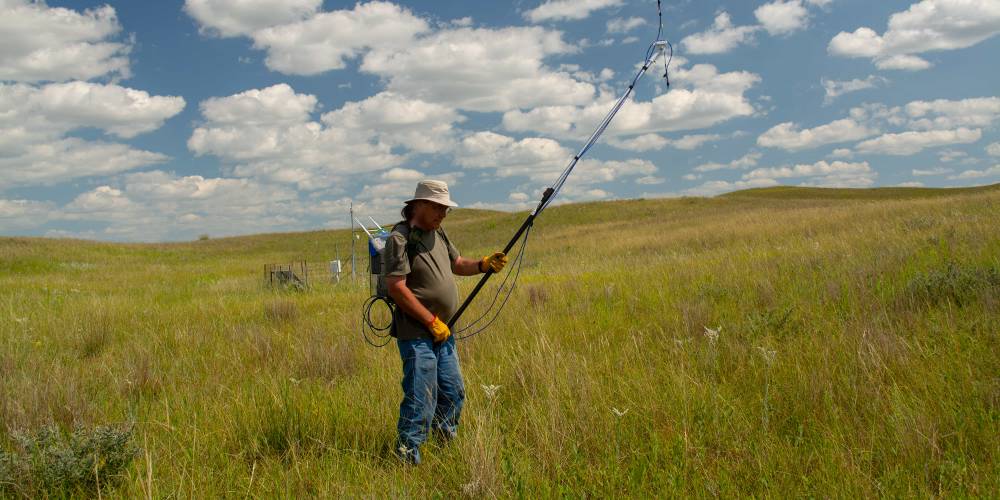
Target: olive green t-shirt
428,275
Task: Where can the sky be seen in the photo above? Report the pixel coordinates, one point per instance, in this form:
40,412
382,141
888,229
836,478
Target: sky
168,120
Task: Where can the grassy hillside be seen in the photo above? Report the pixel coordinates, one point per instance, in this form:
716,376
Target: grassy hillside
886,193
857,353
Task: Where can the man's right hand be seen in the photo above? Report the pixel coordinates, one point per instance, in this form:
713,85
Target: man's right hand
439,330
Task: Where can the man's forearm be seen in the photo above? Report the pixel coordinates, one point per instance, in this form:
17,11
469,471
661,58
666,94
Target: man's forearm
466,267
404,298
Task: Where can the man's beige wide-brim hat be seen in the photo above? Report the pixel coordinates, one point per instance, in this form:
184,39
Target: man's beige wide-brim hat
436,191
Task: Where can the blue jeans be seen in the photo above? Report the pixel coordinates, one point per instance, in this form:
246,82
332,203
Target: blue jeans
433,391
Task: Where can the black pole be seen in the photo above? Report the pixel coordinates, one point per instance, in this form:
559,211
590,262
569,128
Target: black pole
489,272
549,192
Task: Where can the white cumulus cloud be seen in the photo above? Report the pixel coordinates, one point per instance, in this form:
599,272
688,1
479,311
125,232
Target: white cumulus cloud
917,172
926,26
656,142
270,134
782,17
557,10
301,40
57,161
821,173
541,160
644,142
837,88
508,156
481,69
948,114
323,41
902,62
65,48
24,214
157,205
912,142
700,98
229,18
720,38
790,137
694,141
42,43
712,188
623,25
303,153
121,111
993,171
35,149
421,126
275,105
746,161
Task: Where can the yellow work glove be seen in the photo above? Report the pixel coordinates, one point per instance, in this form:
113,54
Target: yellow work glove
439,330
494,262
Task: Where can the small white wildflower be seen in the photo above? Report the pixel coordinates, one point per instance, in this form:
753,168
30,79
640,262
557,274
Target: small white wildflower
294,380
712,335
20,320
619,413
470,488
490,390
768,354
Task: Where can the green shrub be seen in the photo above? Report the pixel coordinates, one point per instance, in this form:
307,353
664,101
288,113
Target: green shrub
957,284
8,472
52,463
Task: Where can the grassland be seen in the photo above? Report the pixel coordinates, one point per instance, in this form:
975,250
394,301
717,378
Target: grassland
857,353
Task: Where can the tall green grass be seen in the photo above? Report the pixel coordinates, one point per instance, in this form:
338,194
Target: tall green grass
856,353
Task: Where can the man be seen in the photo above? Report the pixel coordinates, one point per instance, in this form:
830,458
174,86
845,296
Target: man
420,267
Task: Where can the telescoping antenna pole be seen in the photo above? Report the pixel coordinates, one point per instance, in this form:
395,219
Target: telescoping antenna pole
656,49
353,261
489,272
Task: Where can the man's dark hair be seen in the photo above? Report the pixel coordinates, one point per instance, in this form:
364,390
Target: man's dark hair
407,211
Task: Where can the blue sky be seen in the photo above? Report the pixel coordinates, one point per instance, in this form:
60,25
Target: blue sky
156,121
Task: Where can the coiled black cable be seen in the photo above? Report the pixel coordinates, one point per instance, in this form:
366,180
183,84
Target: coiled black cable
380,336
375,335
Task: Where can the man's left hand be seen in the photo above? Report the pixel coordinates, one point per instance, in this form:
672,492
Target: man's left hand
493,262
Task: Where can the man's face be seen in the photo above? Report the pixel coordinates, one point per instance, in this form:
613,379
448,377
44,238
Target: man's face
429,215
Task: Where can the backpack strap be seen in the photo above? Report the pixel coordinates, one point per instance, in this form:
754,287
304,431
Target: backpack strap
444,235
411,246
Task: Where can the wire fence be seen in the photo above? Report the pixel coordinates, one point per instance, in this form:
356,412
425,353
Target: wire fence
302,275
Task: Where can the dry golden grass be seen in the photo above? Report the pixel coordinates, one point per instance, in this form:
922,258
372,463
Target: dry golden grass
792,343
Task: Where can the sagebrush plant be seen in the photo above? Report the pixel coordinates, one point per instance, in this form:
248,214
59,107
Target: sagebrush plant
955,283
50,462
9,472
777,342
